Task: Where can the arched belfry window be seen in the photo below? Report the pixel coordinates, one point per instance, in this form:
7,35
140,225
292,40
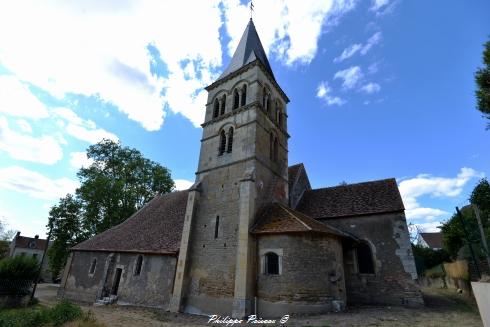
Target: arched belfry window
138,265
223,104
216,108
279,119
236,99
271,264
222,142
268,104
92,266
230,140
244,95
365,261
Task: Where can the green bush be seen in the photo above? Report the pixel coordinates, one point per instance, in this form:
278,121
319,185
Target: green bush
19,268
58,315
63,312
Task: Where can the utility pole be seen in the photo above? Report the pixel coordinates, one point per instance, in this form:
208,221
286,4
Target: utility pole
461,219
482,232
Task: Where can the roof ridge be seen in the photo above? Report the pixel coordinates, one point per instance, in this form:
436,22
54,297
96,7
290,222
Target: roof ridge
294,216
352,184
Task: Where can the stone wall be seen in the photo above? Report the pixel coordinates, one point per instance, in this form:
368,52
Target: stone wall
152,287
394,280
311,275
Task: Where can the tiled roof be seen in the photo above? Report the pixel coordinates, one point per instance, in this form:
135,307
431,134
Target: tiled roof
249,49
276,218
293,172
352,200
30,243
433,240
155,228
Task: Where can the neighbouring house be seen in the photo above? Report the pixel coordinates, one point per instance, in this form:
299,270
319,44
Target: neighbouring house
430,240
33,247
251,235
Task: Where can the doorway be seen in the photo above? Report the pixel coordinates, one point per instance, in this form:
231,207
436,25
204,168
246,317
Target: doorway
117,279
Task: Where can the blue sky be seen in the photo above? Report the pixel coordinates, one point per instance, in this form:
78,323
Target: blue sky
378,89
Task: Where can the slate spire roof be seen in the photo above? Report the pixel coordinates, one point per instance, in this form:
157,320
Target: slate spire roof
249,49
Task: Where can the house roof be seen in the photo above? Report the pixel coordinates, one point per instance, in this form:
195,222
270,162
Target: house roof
433,240
276,218
33,243
155,228
249,49
366,198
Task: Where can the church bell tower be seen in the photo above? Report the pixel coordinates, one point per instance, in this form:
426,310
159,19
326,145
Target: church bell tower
243,165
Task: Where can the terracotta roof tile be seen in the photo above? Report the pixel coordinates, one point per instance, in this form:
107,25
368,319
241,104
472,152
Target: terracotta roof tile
276,218
155,228
352,200
293,173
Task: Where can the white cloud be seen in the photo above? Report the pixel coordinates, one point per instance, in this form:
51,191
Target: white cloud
79,160
371,88
372,41
358,47
16,99
24,125
350,76
289,28
324,92
348,52
102,50
378,4
34,184
41,149
82,129
182,184
423,185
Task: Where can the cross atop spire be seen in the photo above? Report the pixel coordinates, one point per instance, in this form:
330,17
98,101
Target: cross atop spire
249,49
251,8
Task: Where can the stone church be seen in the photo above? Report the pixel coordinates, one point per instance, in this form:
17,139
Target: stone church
251,236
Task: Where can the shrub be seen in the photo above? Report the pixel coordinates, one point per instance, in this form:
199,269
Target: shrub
63,312
19,268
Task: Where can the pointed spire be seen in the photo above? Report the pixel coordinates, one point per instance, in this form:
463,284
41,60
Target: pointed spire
249,49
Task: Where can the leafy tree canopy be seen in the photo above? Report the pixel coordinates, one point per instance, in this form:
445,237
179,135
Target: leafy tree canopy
117,183
6,236
482,78
454,238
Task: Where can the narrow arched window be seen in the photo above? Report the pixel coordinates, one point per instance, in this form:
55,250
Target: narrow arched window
216,108
139,264
365,260
92,266
271,264
244,95
236,99
264,98
222,142
271,145
223,104
275,148
268,105
230,140
279,120
216,227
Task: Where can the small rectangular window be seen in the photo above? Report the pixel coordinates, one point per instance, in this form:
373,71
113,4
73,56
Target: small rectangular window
216,227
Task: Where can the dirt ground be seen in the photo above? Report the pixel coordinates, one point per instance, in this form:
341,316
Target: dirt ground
443,308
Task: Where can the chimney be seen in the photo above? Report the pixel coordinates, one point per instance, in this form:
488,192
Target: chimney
18,234
36,237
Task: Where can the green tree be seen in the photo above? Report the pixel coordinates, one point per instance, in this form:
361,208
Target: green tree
6,236
482,78
65,224
454,238
426,258
117,183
